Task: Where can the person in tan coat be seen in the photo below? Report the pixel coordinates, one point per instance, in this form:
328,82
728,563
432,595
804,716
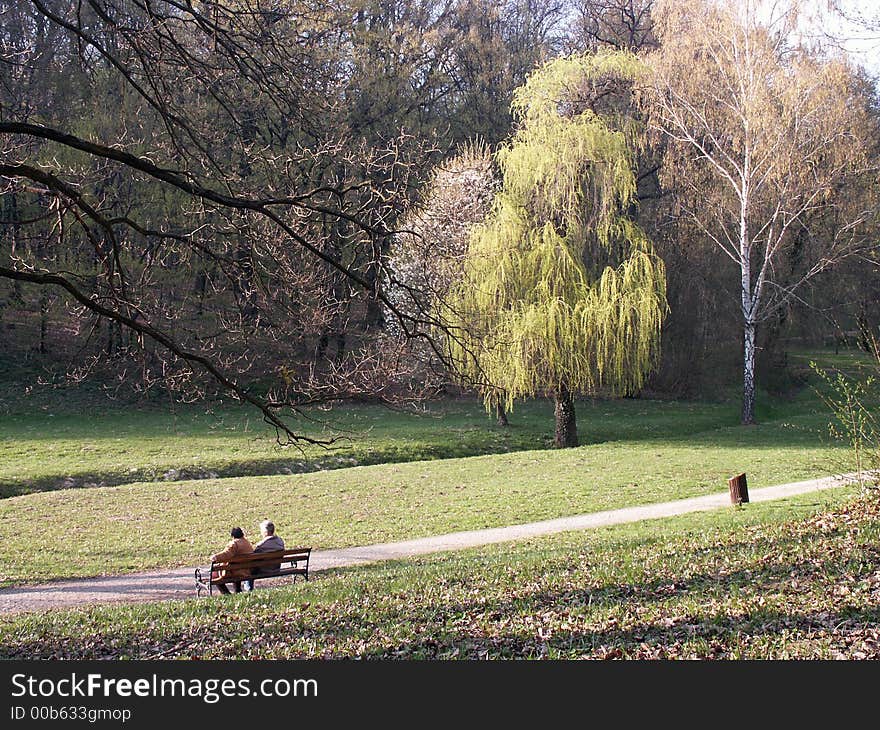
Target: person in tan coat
269,543
239,545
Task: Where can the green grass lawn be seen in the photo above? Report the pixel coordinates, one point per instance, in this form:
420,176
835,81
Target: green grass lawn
54,448
71,437
143,525
57,449
634,451
798,578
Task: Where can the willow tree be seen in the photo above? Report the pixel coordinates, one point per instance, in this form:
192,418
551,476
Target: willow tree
561,293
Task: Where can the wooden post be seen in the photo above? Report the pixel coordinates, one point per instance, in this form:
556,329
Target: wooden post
739,490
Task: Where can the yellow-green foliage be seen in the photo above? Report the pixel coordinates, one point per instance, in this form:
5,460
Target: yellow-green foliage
560,288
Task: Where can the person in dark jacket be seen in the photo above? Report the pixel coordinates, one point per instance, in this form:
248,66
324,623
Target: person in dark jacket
270,542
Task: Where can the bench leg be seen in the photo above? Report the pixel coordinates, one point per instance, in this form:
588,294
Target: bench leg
200,584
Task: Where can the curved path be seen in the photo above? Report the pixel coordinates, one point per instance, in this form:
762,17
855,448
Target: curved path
177,583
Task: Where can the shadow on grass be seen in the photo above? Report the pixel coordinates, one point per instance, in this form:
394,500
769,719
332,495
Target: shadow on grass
249,468
711,630
670,430
682,612
722,636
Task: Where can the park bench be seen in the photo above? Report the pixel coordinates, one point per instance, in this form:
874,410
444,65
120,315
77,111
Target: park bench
290,561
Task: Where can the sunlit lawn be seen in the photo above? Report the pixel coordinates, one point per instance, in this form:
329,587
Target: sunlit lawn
143,525
61,439
794,578
634,451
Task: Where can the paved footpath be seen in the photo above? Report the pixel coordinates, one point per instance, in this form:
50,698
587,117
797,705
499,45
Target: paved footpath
178,583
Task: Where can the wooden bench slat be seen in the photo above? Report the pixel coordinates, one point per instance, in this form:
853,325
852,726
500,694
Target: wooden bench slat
274,574
299,553
260,560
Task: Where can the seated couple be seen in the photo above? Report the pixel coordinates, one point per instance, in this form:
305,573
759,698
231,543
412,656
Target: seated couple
240,545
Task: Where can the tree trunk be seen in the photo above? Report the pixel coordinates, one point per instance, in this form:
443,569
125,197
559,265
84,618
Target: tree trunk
501,415
374,313
44,320
201,289
321,349
243,284
749,301
110,341
748,404
340,346
566,424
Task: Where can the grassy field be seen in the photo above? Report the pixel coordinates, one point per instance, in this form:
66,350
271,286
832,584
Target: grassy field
53,448
143,525
635,451
60,449
798,578
53,438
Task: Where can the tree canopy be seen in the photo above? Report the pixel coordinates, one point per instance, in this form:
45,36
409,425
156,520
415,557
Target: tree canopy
767,149
561,292
208,197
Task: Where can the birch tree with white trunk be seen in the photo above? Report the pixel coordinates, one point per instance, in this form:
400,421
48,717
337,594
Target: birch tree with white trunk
766,148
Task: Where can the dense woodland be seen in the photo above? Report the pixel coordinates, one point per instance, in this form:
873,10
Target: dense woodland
270,199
